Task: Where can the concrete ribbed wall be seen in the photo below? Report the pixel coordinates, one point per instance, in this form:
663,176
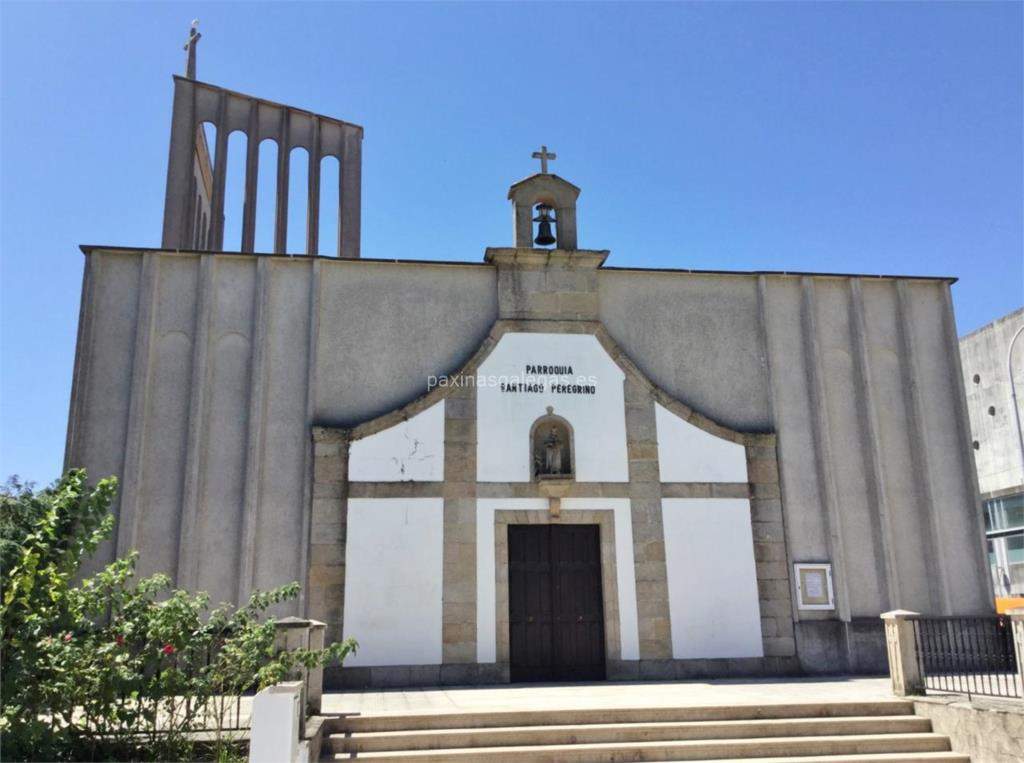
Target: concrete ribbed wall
198,378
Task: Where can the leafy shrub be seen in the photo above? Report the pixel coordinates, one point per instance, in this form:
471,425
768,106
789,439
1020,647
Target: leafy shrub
18,517
111,667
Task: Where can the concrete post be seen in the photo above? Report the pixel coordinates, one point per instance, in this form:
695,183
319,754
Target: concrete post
284,147
179,166
313,193
1017,624
276,719
298,633
523,220
315,679
350,193
220,172
902,649
252,160
565,228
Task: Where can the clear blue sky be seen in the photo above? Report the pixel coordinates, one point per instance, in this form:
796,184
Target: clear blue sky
872,138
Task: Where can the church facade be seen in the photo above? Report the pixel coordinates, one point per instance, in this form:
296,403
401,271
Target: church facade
529,466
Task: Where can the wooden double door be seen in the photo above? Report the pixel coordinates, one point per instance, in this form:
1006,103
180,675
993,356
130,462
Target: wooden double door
556,611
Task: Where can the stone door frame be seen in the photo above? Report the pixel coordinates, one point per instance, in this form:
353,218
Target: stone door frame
605,520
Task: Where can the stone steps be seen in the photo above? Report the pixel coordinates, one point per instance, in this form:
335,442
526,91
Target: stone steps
888,757
832,732
784,747
376,741
578,716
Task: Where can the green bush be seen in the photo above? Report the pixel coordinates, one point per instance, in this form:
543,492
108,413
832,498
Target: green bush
114,667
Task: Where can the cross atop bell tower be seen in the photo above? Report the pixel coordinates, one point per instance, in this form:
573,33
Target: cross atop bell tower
543,155
195,211
190,49
544,193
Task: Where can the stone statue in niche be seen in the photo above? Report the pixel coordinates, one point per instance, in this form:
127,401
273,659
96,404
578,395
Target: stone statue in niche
553,452
551,444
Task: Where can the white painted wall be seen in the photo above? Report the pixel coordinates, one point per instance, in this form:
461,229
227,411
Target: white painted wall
393,564
276,724
712,580
412,451
689,454
486,597
504,418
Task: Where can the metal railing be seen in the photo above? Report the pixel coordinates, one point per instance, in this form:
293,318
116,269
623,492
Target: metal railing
967,655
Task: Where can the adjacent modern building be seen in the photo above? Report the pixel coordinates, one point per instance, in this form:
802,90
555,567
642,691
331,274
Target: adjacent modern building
993,363
526,464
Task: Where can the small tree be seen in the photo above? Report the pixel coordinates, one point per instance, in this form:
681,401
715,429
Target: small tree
114,668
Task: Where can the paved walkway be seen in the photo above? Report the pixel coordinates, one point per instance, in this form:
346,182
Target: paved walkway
608,694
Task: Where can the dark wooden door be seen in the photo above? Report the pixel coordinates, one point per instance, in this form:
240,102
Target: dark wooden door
556,617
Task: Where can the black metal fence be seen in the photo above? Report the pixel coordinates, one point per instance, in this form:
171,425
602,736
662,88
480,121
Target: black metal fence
967,655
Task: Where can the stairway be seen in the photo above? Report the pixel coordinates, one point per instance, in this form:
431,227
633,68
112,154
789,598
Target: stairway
825,732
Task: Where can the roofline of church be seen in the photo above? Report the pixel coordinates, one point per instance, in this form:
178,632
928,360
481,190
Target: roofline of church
823,274
266,101
89,248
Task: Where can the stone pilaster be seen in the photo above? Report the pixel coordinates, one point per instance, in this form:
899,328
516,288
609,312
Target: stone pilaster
1017,628
773,581
458,608
328,530
648,529
901,645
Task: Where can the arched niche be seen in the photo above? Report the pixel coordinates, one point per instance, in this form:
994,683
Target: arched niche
552,450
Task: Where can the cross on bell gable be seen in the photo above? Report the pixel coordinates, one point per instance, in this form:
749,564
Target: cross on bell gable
544,193
544,156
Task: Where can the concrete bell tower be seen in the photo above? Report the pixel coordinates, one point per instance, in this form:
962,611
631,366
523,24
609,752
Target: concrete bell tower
551,191
536,282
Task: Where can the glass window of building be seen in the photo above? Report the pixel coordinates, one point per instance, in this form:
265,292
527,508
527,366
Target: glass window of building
1004,530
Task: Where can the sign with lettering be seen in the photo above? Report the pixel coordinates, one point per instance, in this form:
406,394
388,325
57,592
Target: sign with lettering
557,379
573,375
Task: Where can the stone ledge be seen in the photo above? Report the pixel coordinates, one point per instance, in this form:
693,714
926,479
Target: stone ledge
540,258
497,673
989,730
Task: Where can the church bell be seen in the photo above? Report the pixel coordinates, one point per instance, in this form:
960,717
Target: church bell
544,237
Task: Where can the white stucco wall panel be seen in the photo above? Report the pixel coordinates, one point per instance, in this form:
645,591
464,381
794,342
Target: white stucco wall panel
712,579
412,450
393,568
504,418
689,454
